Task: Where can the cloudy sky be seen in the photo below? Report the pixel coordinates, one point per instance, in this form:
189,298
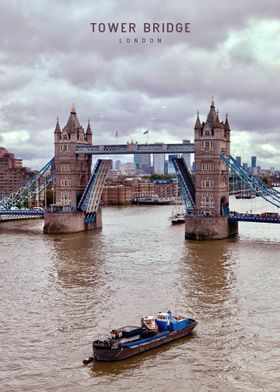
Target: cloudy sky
50,58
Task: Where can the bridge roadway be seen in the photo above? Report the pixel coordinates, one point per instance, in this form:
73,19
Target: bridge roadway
4,214
135,148
275,218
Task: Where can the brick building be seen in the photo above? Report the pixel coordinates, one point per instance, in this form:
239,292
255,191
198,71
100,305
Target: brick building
12,173
125,193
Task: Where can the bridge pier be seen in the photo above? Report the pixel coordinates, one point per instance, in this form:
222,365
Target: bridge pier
209,227
69,222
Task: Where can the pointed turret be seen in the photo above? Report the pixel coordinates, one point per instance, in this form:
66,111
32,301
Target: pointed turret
88,131
227,127
57,127
217,123
73,123
197,123
88,135
212,115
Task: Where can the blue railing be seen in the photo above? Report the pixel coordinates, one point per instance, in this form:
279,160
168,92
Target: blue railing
253,183
254,218
20,212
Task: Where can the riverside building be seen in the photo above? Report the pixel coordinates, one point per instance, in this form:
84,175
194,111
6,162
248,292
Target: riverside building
12,173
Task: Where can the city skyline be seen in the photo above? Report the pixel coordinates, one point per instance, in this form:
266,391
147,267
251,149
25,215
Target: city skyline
50,60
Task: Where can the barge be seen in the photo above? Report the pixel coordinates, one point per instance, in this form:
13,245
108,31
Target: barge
128,341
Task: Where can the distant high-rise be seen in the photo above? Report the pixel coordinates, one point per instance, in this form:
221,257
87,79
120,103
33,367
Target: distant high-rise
117,164
187,157
170,166
238,160
145,159
253,161
159,160
245,166
141,160
137,161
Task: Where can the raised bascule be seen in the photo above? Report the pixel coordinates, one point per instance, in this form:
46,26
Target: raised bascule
77,189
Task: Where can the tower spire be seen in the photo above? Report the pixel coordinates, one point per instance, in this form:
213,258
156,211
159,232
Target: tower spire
88,131
227,127
212,115
197,123
73,109
57,127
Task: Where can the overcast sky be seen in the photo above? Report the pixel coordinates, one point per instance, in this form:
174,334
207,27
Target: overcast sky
50,58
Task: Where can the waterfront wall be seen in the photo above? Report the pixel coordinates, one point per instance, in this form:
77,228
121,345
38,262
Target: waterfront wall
64,223
209,228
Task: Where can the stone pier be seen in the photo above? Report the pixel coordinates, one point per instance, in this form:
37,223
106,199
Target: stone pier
69,222
209,228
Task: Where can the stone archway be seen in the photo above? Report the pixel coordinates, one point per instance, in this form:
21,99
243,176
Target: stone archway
224,207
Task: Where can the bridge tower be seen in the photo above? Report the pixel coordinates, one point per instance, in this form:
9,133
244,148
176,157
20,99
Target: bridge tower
72,170
210,218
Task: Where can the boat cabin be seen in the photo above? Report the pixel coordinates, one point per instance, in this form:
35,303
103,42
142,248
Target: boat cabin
163,320
167,321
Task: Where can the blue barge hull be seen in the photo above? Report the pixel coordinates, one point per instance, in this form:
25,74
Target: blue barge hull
127,350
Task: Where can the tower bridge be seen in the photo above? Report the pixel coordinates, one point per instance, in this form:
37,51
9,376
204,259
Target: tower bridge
78,190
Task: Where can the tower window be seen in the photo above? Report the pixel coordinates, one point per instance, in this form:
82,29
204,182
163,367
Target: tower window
207,184
65,182
206,201
207,144
207,166
65,167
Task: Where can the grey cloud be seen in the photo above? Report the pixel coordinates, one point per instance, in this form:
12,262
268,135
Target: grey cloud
50,59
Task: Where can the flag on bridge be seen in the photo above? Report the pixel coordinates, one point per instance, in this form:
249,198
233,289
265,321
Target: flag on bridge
145,133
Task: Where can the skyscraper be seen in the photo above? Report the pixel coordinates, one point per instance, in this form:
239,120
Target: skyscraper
187,157
170,166
117,164
146,159
253,161
142,159
159,160
238,160
137,161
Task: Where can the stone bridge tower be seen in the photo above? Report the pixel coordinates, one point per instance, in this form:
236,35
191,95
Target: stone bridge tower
210,219
72,170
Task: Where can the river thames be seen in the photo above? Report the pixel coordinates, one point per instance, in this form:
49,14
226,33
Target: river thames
60,292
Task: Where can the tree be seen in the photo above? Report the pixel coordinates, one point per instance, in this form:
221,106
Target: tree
267,180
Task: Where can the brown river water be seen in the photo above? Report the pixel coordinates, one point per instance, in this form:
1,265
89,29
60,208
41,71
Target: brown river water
60,292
